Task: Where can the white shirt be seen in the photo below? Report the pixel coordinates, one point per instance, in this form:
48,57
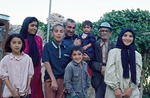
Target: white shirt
17,70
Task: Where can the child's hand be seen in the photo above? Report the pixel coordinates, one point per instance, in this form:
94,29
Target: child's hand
26,92
15,94
54,85
84,47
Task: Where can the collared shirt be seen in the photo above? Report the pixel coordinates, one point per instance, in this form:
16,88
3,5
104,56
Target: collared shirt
76,79
58,57
17,70
68,40
104,47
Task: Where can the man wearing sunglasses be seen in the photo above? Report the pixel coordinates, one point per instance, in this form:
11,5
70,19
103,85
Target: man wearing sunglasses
101,48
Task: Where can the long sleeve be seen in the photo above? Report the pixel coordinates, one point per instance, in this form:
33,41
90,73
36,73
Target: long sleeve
3,70
111,78
31,69
138,70
67,81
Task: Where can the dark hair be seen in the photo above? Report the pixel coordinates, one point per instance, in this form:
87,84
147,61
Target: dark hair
25,24
34,19
68,20
76,48
87,22
56,26
7,44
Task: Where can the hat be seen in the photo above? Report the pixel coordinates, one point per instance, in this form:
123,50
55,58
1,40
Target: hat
105,25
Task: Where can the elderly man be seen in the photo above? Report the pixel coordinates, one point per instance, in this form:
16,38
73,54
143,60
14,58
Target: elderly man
98,63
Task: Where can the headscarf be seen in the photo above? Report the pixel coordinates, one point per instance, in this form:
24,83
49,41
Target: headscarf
127,55
33,49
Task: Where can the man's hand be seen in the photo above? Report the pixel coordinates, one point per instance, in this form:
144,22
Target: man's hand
86,58
77,42
103,70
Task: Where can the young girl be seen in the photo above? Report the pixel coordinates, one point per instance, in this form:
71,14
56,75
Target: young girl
76,78
123,69
16,68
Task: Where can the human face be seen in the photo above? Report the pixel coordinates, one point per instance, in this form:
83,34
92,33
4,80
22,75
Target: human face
77,56
58,34
127,38
32,27
16,45
87,29
70,29
104,33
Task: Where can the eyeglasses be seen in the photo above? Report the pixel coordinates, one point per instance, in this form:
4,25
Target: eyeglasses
107,31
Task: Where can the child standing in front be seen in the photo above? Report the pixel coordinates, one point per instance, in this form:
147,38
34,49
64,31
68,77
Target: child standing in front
76,78
87,41
16,68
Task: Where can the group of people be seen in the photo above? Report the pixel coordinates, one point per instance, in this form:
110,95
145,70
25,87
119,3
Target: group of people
76,66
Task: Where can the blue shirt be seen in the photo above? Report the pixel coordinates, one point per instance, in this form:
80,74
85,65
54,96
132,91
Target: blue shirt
76,79
68,40
89,39
58,57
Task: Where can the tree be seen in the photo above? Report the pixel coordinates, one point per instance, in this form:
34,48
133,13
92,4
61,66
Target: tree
139,21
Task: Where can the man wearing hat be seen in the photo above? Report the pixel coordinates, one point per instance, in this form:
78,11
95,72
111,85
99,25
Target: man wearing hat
101,48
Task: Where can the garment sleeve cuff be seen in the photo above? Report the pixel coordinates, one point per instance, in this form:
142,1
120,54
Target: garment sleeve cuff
133,86
73,94
114,87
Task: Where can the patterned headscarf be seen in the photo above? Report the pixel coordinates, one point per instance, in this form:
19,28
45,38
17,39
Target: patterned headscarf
127,55
33,50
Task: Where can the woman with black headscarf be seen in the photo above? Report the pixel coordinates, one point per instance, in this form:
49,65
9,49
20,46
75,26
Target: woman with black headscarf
123,69
34,50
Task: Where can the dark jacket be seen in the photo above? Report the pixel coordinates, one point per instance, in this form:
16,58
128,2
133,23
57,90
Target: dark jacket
96,63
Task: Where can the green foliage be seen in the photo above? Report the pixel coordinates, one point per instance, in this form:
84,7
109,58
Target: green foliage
43,27
139,21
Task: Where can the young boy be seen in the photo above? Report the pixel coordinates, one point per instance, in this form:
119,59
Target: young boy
55,58
87,41
76,78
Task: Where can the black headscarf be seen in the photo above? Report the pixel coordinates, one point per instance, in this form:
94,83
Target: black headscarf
33,49
127,55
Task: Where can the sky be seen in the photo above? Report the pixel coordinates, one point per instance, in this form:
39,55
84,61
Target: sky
79,10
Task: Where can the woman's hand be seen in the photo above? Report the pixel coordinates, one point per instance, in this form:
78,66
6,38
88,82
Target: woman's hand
118,93
127,93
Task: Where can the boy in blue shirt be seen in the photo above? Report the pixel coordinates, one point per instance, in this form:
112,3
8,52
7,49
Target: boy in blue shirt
55,58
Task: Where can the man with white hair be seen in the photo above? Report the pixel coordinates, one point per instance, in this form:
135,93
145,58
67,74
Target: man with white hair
98,63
